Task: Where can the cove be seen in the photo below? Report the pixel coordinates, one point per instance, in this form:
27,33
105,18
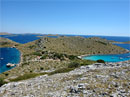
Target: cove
109,57
8,55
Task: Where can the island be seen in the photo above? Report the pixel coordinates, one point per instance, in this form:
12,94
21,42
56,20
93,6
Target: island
57,59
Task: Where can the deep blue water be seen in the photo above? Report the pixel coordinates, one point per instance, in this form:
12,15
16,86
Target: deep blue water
126,46
8,55
22,38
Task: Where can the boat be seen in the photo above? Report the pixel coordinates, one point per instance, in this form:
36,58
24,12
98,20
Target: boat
120,58
10,65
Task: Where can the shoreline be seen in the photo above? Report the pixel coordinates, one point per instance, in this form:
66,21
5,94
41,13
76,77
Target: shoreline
81,56
20,59
87,55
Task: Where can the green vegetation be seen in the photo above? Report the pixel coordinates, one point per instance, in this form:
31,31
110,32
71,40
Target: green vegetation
2,82
4,42
100,61
59,54
73,65
61,70
102,42
78,46
27,76
36,53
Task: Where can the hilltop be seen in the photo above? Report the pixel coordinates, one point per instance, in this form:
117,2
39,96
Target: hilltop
78,45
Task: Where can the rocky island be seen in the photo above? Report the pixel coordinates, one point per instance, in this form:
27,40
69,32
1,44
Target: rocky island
50,66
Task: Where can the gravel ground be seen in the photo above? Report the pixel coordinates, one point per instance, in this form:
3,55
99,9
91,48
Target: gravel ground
96,80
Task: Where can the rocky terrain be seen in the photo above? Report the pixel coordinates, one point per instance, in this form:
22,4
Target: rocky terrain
96,80
45,61
78,45
4,42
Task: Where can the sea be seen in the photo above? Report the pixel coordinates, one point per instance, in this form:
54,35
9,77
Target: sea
12,55
8,55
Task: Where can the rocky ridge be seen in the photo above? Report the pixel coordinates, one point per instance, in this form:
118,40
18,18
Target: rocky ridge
96,80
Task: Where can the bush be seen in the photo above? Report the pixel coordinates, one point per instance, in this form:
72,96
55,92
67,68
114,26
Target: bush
59,56
37,53
100,61
73,65
86,62
25,63
31,46
72,57
2,82
44,56
41,68
6,74
61,70
102,42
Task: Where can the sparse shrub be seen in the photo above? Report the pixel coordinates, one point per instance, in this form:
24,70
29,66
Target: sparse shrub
2,82
100,61
62,70
25,63
27,76
37,53
6,74
44,57
31,46
4,43
102,42
72,57
73,65
57,55
41,68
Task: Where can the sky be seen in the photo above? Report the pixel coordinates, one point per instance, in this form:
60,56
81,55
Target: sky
79,17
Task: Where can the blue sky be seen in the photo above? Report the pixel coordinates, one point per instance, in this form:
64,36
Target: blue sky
86,17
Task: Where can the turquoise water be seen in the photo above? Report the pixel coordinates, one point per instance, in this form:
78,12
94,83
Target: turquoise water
8,55
109,58
113,57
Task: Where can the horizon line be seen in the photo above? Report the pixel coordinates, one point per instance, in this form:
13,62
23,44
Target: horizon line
66,34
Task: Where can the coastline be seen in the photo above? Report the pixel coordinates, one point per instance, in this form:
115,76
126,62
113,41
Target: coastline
86,55
111,58
15,64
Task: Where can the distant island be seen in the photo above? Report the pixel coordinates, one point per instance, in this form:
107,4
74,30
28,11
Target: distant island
4,33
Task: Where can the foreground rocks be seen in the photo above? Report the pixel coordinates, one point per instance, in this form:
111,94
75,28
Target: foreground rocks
97,80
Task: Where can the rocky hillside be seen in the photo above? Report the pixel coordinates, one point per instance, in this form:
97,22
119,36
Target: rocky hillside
4,42
97,80
78,45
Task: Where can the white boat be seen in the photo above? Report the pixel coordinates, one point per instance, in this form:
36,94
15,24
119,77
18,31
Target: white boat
120,58
10,65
